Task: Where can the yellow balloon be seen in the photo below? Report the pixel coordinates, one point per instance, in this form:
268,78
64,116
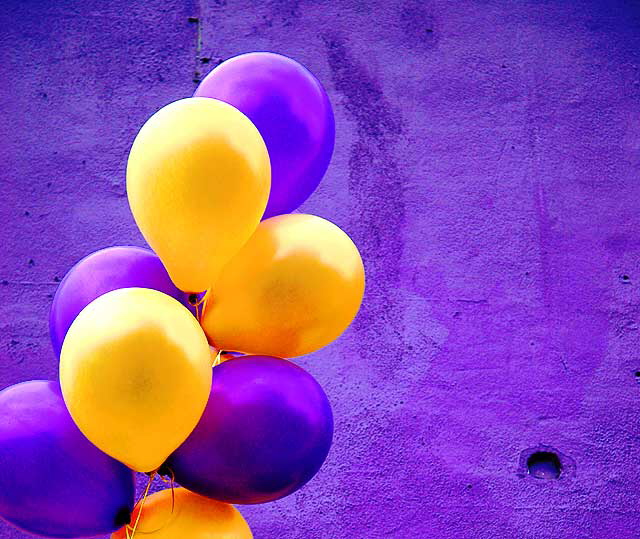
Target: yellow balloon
135,371
190,517
193,162
293,288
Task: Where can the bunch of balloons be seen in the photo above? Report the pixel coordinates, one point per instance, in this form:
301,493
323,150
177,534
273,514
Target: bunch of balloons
238,284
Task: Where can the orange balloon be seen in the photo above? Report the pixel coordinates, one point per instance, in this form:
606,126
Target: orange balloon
293,288
192,517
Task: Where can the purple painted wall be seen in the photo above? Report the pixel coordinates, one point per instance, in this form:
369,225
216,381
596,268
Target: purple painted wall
487,164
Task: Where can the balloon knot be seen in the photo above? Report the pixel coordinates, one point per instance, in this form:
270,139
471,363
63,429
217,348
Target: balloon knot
165,471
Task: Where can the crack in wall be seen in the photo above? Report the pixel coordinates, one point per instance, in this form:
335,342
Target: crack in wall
197,75
202,59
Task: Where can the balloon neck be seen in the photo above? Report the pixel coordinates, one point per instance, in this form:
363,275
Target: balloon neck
130,530
165,471
199,302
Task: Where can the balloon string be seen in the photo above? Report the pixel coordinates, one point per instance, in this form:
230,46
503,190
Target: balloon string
200,305
171,482
204,299
133,529
217,359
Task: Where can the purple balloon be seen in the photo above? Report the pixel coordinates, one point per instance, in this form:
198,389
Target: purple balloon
101,272
53,481
265,432
291,110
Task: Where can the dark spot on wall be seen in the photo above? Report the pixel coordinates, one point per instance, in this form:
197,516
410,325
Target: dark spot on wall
193,19
418,23
637,375
365,101
26,213
287,10
625,279
377,182
624,322
56,279
32,262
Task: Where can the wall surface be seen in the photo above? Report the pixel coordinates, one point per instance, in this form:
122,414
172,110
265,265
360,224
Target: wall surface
487,164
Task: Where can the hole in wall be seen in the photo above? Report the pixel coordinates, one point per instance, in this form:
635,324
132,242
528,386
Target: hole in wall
544,465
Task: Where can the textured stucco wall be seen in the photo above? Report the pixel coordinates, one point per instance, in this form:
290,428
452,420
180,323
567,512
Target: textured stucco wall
487,164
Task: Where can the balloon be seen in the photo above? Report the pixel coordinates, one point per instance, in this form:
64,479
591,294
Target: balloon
188,517
291,110
293,288
53,481
194,162
135,372
101,272
266,431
